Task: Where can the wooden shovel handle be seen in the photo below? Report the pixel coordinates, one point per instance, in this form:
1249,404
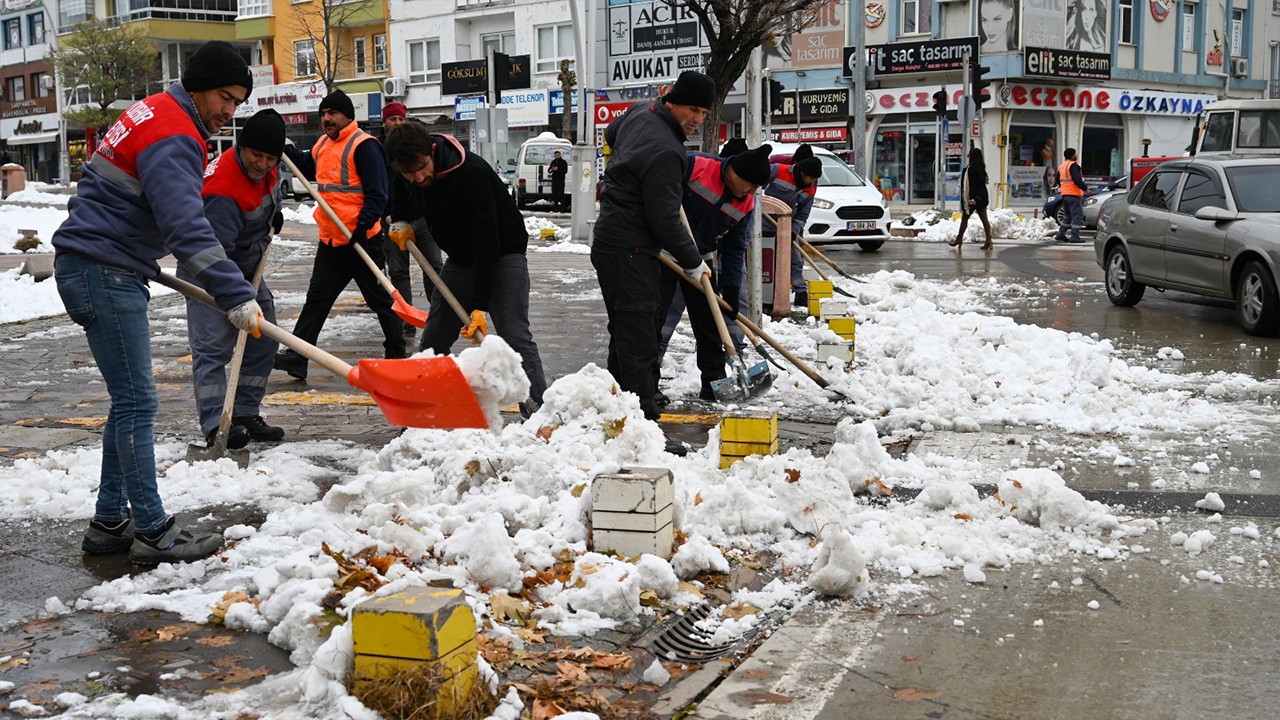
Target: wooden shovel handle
441,287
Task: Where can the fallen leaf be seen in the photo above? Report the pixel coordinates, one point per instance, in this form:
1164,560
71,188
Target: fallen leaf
216,641
915,694
768,698
697,499
12,663
242,674
578,490
89,422
613,428
649,598
545,431
737,611
962,516
546,709
757,674
509,609
473,467
568,673
613,661
383,563
29,422
530,635
689,588
793,475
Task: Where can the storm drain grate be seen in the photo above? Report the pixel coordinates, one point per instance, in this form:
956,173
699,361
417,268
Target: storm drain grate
681,641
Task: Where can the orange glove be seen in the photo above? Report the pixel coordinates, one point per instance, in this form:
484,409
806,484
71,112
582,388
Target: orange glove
477,323
400,233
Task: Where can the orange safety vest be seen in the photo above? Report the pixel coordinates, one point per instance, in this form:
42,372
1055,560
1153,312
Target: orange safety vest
339,183
1066,185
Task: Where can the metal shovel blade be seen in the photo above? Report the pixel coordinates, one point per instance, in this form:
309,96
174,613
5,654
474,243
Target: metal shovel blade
744,384
197,453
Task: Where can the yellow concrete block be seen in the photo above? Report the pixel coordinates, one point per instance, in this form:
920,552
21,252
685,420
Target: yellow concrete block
843,326
757,427
727,460
372,667
547,234
417,623
815,306
743,449
821,289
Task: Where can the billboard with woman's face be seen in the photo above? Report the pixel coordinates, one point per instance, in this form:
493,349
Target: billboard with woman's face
998,25
1009,25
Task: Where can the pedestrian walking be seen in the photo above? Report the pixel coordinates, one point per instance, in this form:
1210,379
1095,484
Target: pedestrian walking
350,173
559,170
974,198
795,184
140,199
242,200
640,217
475,220
1071,185
719,202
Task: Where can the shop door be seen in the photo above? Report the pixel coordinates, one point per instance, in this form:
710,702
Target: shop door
923,163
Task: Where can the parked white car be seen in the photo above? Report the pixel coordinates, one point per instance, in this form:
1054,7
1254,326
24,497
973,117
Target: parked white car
846,208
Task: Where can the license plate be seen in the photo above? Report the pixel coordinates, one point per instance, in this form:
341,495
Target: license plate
861,225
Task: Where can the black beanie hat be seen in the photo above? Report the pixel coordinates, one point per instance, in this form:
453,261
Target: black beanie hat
810,166
264,131
733,146
802,152
753,165
692,88
216,64
338,100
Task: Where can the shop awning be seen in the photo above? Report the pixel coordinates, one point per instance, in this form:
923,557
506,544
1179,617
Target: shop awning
33,139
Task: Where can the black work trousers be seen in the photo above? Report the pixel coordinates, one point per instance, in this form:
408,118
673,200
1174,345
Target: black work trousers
710,350
629,282
333,269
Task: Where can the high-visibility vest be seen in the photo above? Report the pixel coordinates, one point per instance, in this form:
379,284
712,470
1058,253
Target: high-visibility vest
145,122
706,180
339,183
1066,185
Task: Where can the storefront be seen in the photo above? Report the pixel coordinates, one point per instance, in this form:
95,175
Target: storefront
299,104
905,156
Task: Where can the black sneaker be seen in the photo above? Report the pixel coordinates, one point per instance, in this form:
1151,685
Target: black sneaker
677,448
173,545
528,407
292,363
802,299
237,437
257,428
660,399
408,330
706,393
104,539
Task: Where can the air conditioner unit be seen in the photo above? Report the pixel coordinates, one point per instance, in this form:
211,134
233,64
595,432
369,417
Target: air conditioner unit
46,82
393,87
1239,67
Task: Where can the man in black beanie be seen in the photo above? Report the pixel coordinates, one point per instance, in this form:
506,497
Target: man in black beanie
639,217
795,184
350,172
719,201
138,201
242,199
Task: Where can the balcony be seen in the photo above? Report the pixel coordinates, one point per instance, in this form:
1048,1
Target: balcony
356,13
221,11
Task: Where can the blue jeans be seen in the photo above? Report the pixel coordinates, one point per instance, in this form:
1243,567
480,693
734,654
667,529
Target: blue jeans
110,303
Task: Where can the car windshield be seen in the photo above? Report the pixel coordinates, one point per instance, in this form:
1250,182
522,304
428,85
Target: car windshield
836,173
1254,187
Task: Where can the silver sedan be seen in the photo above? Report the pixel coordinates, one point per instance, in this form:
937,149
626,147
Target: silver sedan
1203,225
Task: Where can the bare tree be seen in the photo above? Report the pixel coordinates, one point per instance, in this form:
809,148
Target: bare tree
114,63
734,28
323,22
568,80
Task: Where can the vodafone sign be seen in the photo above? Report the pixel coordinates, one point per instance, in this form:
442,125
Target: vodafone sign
608,112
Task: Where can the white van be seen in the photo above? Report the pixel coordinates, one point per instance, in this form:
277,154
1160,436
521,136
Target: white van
531,182
1241,127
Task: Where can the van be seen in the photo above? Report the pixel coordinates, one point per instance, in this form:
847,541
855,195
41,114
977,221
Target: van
531,182
1241,127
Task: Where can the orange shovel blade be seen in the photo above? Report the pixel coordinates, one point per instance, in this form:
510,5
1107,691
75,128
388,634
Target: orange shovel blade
420,392
407,312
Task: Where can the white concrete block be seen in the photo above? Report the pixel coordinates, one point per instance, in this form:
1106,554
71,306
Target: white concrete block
841,350
634,544
638,522
632,490
834,307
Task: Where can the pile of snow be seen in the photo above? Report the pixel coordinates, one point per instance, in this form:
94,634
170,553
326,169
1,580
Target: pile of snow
305,213
1005,223
44,220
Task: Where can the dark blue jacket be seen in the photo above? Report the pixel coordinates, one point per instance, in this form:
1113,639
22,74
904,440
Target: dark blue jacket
800,201
133,222
718,225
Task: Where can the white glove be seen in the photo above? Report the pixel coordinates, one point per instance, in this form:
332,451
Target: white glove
247,316
696,274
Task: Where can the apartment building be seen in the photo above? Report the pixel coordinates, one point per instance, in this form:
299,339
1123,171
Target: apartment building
29,127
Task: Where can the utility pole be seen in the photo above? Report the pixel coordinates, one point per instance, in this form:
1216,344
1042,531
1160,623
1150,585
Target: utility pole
755,135
860,95
582,168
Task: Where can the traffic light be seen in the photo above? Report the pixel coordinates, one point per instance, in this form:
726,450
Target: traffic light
775,95
940,103
978,91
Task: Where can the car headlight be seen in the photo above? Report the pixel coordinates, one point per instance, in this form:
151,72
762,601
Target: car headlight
823,204
1091,201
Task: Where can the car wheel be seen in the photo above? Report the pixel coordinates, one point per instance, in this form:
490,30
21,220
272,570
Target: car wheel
1256,300
1061,214
870,245
1122,289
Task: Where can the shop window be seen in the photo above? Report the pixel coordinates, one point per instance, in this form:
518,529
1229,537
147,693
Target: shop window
890,167
1200,191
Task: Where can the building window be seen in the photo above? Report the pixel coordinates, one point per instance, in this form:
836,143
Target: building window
71,12
910,17
1126,21
35,28
424,61
1190,38
17,88
1237,32
358,55
253,8
379,53
555,43
41,85
1275,71
304,58
13,33
498,42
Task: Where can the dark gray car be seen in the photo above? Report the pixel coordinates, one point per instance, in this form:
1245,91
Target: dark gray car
1204,225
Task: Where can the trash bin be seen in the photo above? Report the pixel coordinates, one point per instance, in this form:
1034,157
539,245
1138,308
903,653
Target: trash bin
15,178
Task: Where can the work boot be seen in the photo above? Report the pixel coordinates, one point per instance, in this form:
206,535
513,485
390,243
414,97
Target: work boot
292,363
408,330
395,354
660,399
528,407
104,539
257,428
677,448
706,393
802,299
237,437
173,545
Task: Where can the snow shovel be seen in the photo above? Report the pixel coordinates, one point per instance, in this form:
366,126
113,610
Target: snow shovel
443,289
745,383
809,259
414,392
197,452
407,312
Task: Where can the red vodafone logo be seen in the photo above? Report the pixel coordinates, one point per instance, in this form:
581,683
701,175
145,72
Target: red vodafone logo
608,112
